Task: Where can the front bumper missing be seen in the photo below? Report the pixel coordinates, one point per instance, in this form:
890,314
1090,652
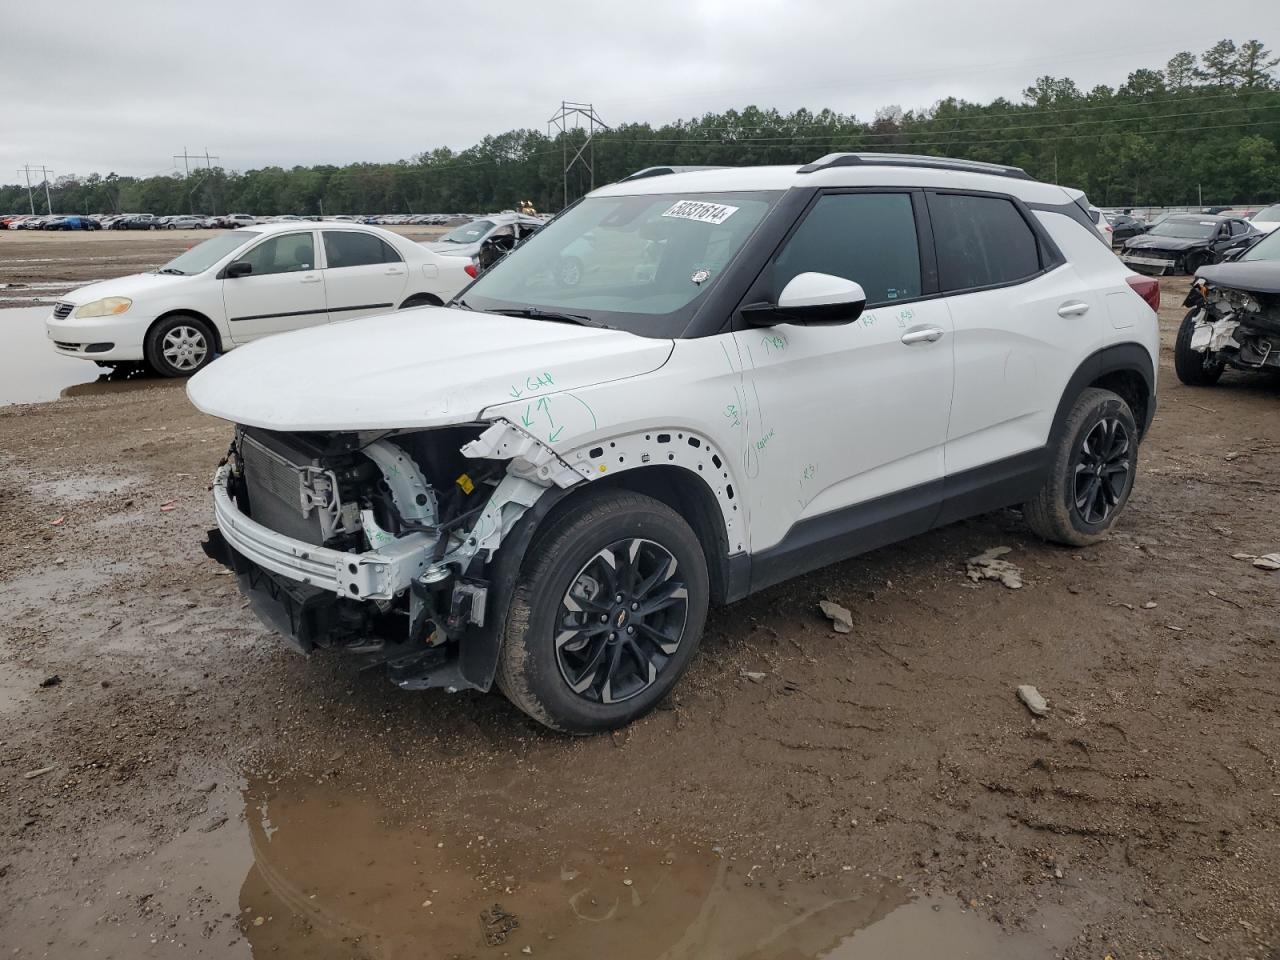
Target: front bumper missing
379,574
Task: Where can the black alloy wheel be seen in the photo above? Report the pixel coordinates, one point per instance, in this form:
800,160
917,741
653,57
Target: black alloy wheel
1102,470
621,621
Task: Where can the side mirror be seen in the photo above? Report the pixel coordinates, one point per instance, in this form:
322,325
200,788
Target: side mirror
238,269
1234,253
811,298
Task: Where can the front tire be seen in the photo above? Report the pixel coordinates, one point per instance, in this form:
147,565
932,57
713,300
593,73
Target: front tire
1193,368
1091,473
422,300
607,614
179,345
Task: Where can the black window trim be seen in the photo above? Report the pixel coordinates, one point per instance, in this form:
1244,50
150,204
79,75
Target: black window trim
364,233
757,289
1045,243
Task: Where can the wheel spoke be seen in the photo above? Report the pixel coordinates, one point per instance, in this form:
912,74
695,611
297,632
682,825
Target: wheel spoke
672,593
666,642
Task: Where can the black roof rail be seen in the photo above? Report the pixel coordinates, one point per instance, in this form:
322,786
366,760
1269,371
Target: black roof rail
913,160
662,172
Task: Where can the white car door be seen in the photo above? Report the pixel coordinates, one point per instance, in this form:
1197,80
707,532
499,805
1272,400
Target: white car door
1022,318
363,274
840,416
283,289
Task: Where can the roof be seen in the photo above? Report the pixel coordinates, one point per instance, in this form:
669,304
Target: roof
896,171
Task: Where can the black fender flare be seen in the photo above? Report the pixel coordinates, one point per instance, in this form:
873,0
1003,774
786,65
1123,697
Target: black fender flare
1118,358
480,647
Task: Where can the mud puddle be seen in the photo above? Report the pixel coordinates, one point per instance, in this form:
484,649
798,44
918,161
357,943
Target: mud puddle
334,875
31,372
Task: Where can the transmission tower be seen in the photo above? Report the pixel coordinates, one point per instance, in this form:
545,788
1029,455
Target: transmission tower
577,116
44,172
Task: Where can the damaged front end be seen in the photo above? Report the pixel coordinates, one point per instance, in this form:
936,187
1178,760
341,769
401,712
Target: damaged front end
1235,327
382,544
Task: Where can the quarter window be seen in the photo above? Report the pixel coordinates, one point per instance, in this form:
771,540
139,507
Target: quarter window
350,248
287,253
981,242
869,238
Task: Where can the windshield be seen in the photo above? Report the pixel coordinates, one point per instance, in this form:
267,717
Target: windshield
627,261
1269,214
1184,229
468,232
1268,248
204,255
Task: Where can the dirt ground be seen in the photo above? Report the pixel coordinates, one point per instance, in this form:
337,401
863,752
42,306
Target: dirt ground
36,266
185,786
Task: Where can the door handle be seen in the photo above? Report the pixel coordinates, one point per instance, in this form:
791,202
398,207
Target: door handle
1073,308
311,278
927,335
394,272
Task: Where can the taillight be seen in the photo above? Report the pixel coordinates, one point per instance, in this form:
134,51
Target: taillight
471,270
1148,288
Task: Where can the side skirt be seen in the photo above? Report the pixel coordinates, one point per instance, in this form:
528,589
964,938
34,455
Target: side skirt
819,541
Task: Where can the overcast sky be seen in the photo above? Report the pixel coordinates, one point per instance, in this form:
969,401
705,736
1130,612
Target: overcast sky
87,85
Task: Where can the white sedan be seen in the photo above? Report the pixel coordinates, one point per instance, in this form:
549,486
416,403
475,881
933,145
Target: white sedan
246,284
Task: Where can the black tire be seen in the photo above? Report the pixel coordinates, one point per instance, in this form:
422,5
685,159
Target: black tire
1091,472
422,300
546,644
186,329
1193,368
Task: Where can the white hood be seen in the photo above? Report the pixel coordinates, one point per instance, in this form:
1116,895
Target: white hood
134,285
415,368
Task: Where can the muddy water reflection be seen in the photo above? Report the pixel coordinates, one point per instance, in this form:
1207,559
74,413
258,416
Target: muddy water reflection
333,877
31,372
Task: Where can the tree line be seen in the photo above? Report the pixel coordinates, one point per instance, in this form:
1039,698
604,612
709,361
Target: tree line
1202,129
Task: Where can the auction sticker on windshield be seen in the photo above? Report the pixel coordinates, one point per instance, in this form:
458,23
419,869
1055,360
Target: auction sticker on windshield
701,211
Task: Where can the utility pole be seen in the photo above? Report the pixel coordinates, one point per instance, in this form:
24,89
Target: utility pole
579,113
44,172
30,199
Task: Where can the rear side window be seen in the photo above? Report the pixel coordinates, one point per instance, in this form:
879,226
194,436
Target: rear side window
869,238
981,241
349,248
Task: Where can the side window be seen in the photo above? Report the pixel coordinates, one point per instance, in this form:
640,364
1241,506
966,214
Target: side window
869,238
981,241
350,248
287,253
1238,227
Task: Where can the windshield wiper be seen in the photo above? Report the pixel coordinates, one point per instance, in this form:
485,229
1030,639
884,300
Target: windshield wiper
176,272
533,313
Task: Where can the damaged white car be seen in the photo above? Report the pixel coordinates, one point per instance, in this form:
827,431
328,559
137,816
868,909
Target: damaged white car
765,371
1234,317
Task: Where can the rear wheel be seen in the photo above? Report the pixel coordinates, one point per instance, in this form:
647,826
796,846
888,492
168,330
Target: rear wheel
179,345
1194,368
1091,474
606,615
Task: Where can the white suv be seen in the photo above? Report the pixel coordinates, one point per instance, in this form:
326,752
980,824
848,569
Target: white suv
761,371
